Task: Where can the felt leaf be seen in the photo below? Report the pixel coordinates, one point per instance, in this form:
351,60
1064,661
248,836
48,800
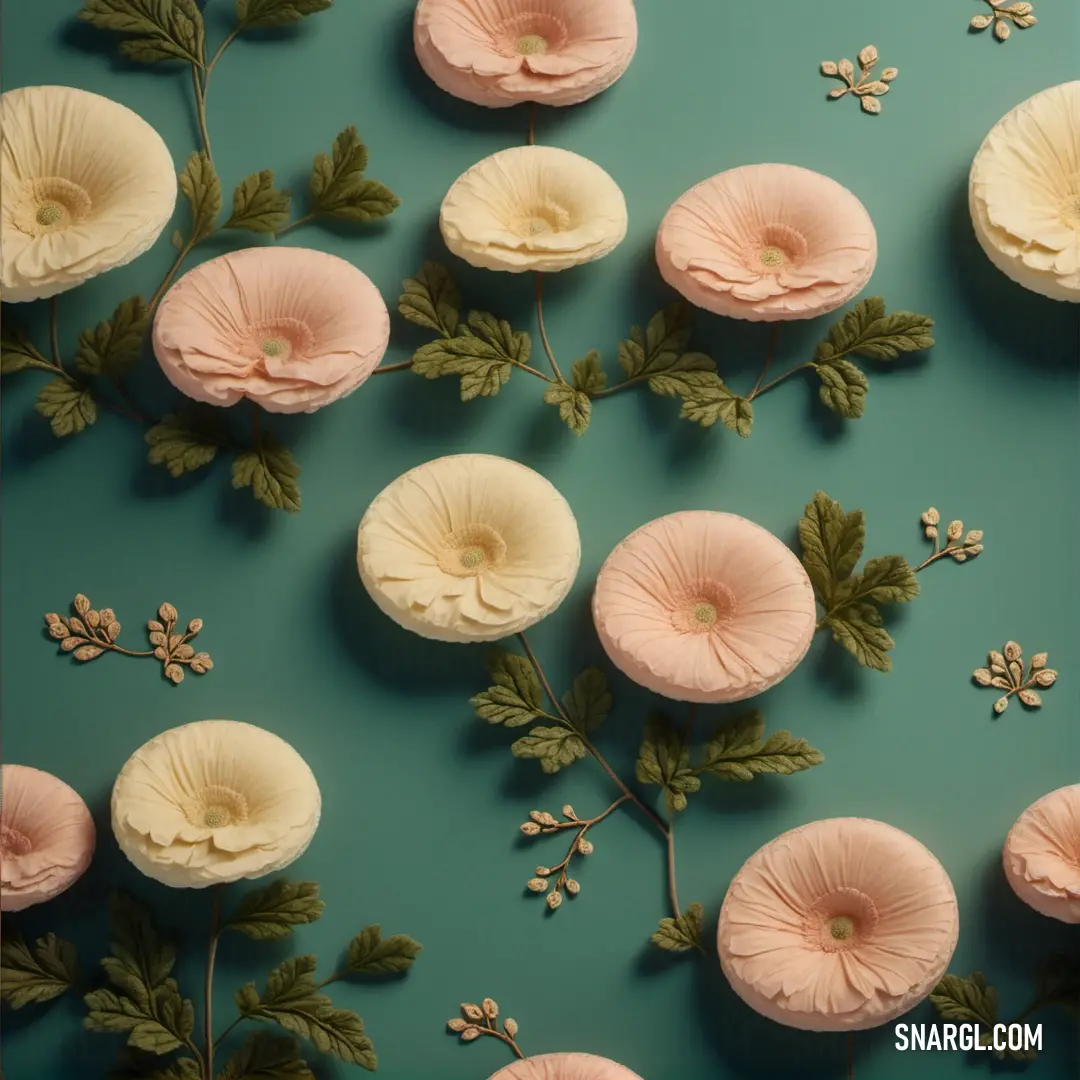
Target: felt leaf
588,373
112,348
372,954
1002,30
588,702
740,751
271,472
828,67
36,975
981,22
160,1026
187,1069
887,579
516,697
291,999
868,331
165,29
664,759
575,408
843,388
186,440
270,914
431,299
17,351
705,398
858,628
68,406
141,961
257,14
258,206
680,934
480,355
266,1057
832,543
868,57
202,189
966,1001
338,187
660,346
553,747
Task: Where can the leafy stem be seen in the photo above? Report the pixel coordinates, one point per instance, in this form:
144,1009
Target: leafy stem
483,1019
200,109
304,220
543,331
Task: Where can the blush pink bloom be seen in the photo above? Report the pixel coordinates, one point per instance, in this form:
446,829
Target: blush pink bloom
839,925
768,243
565,1067
1042,855
46,837
501,52
290,329
706,607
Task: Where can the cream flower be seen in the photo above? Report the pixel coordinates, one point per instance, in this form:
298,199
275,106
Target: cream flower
842,924
46,837
468,548
499,52
565,1067
212,802
87,185
533,208
1024,193
767,243
1042,855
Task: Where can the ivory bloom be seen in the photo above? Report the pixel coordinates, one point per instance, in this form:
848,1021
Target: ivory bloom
468,548
500,52
213,802
46,837
1024,193
768,243
839,925
1042,855
565,1067
87,185
533,208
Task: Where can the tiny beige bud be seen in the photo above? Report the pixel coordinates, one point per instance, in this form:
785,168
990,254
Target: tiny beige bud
1002,30
52,619
113,630
981,22
58,630
537,884
72,643
153,624
871,105
931,517
973,537
185,651
543,871
167,613
839,92
959,555
1031,699
997,660
195,626
1016,673
554,899
975,549
982,676
491,1009
93,618
568,813
956,529
573,887
846,68
889,74
510,1026
160,653
82,605
108,615
157,637
585,847
457,1024
868,57
470,1033
1046,677
1013,651
174,673
78,628
828,67
1039,661
472,1012
88,652
931,532
1001,705
530,828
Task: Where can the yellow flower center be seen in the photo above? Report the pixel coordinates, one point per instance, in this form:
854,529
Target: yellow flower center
49,214
841,927
529,44
472,558
274,346
217,807
702,607
772,257
471,551
705,614
547,217
48,205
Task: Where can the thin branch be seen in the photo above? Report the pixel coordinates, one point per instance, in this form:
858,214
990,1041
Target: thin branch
673,888
161,289
54,331
543,331
383,369
780,378
208,1016
294,224
609,390
200,111
532,124
774,339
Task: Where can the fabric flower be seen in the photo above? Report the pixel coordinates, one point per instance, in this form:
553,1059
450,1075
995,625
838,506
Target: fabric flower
1042,855
565,1067
842,924
1024,193
46,837
87,186
289,328
501,52
768,243
706,607
533,208
468,548
213,802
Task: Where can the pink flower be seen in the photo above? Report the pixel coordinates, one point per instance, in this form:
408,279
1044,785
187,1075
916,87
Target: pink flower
841,924
706,607
289,328
46,837
501,52
565,1067
1042,855
767,243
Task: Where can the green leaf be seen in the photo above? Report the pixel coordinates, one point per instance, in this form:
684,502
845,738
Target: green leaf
972,1001
660,347
291,999
166,29
338,188
858,628
202,189
843,388
160,1026
36,976
508,343
141,1065
516,697
481,355
887,579
431,299
705,399
68,406
181,1069
680,934
187,440
270,914
868,331
17,351
271,472
553,747
258,206
575,408
588,373
588,702
664,759
740,750
266,1057
372,954
112,348
257,14
832,543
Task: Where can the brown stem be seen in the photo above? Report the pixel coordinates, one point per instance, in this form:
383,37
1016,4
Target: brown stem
543,331
334,978
54,331
947,550
217,56
503,1038
294,224
625,384
774,339
208,1016
780,378
673,888
851,1055
392,367
532,124
583,827
228,1031
256,427
161,289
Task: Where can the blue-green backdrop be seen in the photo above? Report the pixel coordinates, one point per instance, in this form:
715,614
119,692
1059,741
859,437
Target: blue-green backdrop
422,802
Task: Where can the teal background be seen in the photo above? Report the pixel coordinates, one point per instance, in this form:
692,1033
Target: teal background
422,802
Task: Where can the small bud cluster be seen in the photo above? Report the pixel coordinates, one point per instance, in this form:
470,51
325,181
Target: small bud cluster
552,882
477,1020
867,89
957,550
1006,672
1004,18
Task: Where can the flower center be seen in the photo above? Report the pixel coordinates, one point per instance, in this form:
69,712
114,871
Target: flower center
528,44
702,607
471,551
217,807
840,920
276,342
777,247
705,614
49,214
274,346
547,217
772,257
531,33
841,927
48,205
14,843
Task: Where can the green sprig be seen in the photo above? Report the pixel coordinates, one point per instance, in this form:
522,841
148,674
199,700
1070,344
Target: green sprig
34,975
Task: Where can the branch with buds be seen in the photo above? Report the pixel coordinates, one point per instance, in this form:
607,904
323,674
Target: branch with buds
483,1019
954,549
1004,17
1006,672
867,89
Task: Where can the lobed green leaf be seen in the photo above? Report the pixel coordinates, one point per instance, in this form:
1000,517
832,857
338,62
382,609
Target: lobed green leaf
372,954
36,975
270,914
